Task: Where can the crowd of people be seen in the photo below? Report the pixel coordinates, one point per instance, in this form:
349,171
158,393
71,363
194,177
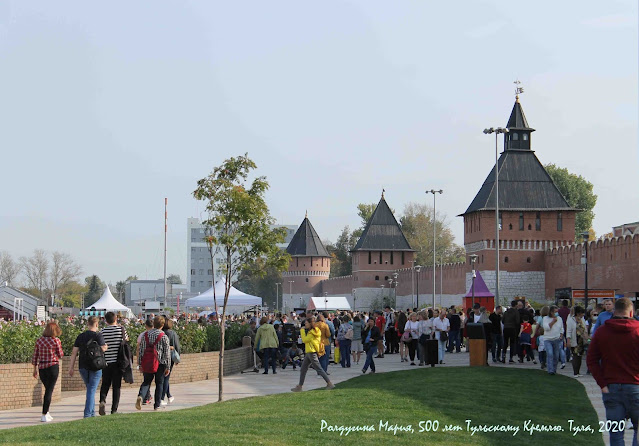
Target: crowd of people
105,356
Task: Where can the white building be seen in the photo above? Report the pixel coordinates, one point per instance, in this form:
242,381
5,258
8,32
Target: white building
199,275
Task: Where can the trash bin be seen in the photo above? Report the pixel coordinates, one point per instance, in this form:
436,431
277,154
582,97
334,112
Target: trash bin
477,341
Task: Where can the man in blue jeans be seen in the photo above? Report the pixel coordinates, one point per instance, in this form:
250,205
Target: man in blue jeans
553,338
614,364
454,340
91,378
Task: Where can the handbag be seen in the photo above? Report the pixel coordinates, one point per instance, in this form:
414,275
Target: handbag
443,336
175,357
406,337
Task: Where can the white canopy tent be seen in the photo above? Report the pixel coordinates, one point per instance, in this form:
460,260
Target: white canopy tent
328,303
236,298
108,303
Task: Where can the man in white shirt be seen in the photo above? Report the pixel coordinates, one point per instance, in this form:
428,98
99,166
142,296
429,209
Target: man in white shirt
553,338
476,313
441,324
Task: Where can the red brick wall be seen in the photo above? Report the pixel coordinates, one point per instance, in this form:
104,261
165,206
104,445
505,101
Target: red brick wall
19,389
337,286
454,279
364,273
612,264
193,367
315,269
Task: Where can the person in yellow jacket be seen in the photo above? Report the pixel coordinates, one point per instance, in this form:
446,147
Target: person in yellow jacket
266,341
312,338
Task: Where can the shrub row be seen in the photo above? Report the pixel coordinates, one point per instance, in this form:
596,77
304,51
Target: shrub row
18,340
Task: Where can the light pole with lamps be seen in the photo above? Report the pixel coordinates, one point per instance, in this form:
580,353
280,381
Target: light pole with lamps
434,192
325,301
354,301
395,275
277,296
418,268
496,131
586,237
413,280
473,259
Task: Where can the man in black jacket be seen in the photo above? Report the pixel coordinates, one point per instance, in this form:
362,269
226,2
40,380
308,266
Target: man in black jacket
454,341
512,324
498,338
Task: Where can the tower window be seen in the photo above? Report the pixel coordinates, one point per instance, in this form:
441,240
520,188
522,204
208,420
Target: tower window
500,221
560,223
505,259
297,261
529,227
380,257
524,136
528,260
510,226
521,221
402,257
538,222
391,257
369,257
376,277
515,136
307,279
385,278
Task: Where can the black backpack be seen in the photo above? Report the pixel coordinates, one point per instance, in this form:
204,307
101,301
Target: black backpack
92,356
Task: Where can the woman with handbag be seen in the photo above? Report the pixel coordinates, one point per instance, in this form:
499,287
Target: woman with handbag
411,336
425,332
174,343
371,336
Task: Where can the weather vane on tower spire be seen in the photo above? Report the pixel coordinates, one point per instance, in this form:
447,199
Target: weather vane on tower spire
518,89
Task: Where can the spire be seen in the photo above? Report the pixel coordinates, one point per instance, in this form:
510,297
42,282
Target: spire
306,242
383,190
382,232
306,216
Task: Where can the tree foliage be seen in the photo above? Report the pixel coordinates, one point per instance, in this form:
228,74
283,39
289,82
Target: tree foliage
9,268
238,226
35,270
259,279
95,287
340,252
579,194
417,225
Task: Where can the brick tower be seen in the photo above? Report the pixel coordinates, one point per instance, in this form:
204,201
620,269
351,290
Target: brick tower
534,217
310,264
381,250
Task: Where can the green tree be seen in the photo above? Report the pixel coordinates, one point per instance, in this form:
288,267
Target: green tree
579,194
94,290
174,279
417,225
340,252
237,226
70,294
259,279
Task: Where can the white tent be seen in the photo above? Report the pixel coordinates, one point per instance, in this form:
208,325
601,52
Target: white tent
328,303
236,297
108,303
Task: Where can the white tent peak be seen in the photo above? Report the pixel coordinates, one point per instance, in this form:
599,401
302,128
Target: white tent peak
109,303
236,297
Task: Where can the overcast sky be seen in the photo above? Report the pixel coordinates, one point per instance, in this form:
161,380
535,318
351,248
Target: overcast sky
105,109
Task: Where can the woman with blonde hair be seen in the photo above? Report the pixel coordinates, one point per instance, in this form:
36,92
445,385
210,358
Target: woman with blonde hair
46,363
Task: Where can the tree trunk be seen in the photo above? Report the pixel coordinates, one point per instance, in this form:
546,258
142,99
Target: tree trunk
221,366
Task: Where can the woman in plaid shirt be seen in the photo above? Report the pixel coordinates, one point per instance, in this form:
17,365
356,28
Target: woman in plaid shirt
48,351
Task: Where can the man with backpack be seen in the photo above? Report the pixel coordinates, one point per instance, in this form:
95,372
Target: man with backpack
91,347
154,361
113,334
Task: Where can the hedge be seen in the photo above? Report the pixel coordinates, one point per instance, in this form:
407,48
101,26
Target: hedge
18,340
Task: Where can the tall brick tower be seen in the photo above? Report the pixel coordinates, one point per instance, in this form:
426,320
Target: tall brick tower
381,250
310,264
534,216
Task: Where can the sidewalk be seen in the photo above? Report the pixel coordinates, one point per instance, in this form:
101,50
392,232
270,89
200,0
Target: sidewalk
199,393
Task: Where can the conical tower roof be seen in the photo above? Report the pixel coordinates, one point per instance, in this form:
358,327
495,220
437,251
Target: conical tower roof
382,232
306,242
517,120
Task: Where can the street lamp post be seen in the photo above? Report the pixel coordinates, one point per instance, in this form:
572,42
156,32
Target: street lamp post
496,131
586,237
434,192
418,268
325,301
290,292
473,259
413,281
277,295
395,275
354,301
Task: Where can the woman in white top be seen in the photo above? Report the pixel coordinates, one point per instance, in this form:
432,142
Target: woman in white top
425,329
412,328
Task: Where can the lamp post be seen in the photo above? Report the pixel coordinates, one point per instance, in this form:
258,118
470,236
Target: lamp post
395,275
418,268
325,301
354,300
434,192
586,237
496,131
473,259
290,292
441,279
277,295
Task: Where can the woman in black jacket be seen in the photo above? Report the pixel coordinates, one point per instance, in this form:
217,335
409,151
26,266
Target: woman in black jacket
370,337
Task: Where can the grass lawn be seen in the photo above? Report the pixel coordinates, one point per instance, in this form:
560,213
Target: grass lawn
487,396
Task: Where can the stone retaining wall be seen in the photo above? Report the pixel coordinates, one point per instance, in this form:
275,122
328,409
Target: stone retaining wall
19,389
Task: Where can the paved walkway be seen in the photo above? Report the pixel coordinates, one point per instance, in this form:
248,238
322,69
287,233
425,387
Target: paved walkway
255,384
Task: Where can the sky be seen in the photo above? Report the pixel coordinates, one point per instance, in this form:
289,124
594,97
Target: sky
106,109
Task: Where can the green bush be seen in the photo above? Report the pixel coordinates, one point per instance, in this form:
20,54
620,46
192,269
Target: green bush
17,341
